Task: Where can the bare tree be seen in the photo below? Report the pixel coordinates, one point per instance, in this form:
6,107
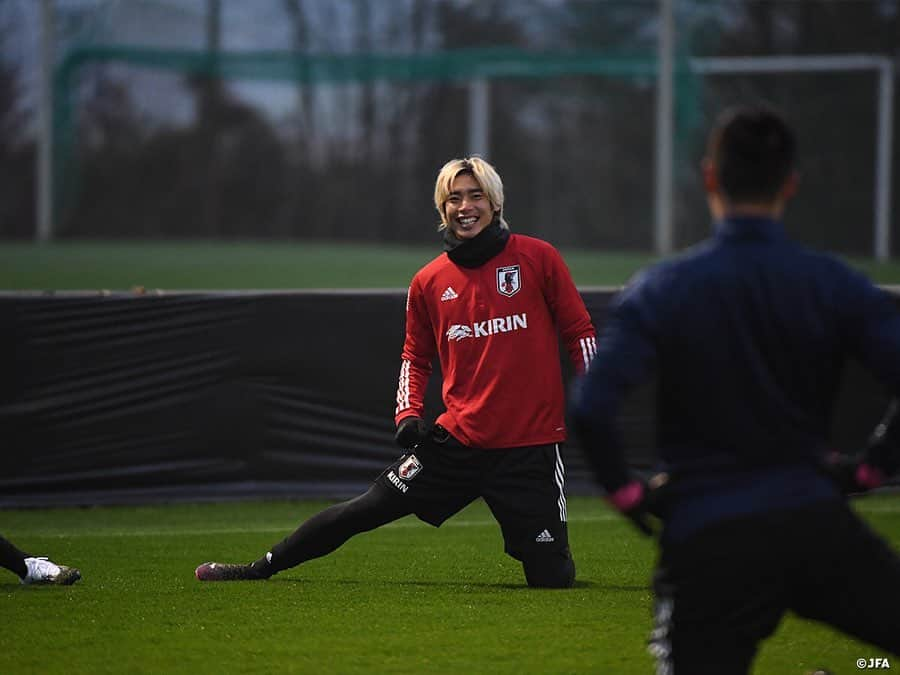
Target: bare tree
17,151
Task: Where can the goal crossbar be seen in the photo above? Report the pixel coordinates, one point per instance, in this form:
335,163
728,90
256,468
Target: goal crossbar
884,105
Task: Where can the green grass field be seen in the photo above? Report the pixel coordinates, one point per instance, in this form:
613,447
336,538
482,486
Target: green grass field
193,265
404,599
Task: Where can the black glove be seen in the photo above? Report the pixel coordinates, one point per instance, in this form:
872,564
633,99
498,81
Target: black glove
883,449
841,469
639,501
855,474
411,432
852,473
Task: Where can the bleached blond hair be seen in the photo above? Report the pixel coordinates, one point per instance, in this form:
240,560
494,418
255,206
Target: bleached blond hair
484,174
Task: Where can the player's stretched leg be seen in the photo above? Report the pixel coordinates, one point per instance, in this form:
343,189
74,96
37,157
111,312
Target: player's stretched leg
527,497
320,535
35,570
12,558
853,581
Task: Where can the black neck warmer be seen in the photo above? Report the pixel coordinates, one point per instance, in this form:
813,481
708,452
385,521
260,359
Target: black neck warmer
478,250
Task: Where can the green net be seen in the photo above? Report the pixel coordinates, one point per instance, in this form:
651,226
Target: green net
459,66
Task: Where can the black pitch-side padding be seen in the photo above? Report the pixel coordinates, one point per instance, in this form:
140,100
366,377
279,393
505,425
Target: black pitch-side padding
129,398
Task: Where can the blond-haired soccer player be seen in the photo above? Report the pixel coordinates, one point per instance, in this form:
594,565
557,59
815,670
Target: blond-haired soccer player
490,308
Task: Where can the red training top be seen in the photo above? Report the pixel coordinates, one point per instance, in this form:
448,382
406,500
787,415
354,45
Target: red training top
494,329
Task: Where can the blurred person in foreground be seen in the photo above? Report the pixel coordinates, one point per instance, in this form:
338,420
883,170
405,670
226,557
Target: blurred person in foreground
747,334
35,570
491,308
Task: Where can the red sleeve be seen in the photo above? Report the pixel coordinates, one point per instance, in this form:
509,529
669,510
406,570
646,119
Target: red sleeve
572,318
418,351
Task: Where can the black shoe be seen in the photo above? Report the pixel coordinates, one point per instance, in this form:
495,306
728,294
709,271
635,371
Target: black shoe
213,571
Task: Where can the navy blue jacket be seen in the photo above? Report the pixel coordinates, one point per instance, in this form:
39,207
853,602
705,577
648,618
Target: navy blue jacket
748,334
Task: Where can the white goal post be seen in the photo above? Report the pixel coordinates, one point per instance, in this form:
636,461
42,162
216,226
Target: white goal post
885,114
479,121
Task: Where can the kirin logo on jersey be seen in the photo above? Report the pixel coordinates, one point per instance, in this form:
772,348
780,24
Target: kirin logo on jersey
509,280
479,329
458,332
410,467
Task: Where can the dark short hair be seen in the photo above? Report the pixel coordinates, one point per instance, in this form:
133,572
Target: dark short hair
753,149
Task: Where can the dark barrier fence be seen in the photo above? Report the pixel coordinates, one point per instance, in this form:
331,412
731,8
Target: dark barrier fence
129,398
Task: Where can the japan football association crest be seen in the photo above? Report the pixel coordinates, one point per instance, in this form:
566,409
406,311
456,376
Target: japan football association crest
409,468
509,280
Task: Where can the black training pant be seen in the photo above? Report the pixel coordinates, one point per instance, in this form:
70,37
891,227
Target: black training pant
524,488
12,558
720,592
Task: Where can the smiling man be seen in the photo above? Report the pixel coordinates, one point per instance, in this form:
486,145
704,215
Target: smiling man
490,309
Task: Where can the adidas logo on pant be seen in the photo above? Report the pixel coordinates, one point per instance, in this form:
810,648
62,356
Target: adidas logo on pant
544,537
